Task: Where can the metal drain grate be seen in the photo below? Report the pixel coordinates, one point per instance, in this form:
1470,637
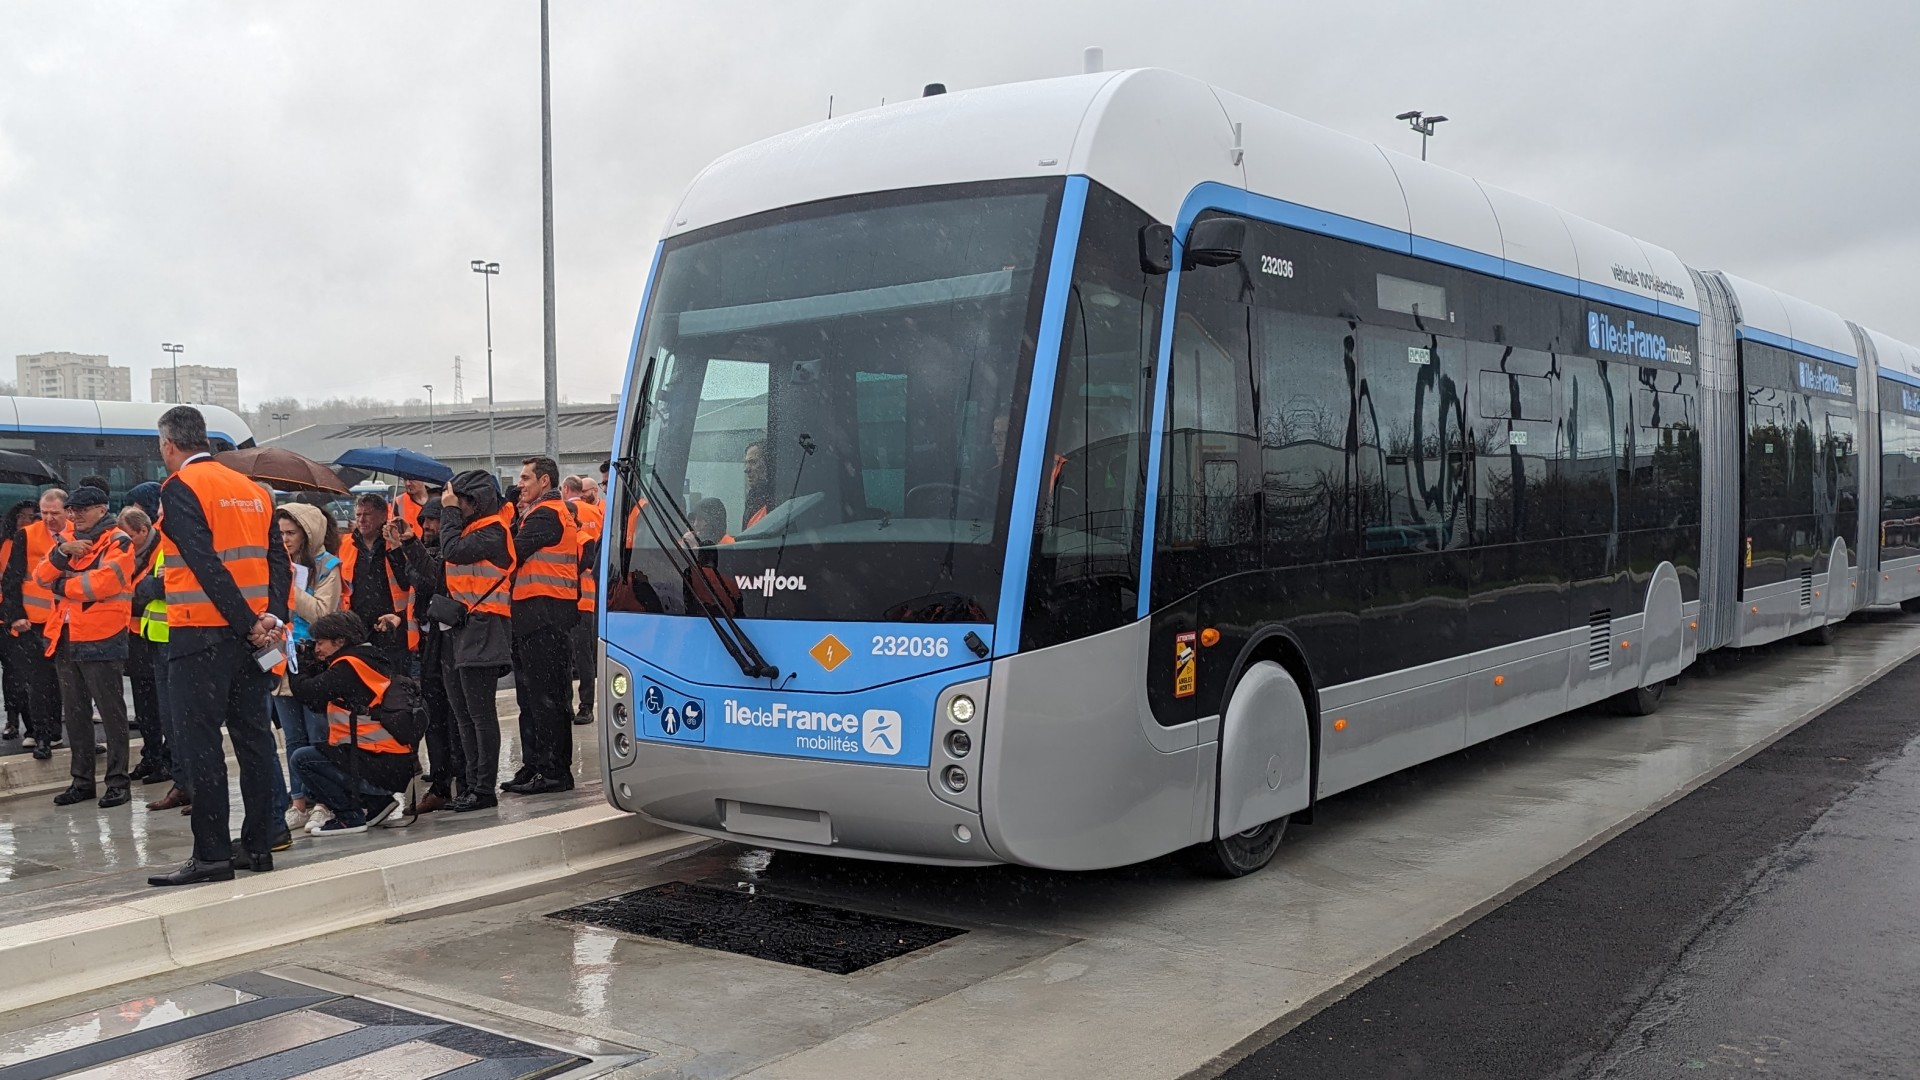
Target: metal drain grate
793,932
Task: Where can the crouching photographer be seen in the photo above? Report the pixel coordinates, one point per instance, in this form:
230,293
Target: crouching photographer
374,719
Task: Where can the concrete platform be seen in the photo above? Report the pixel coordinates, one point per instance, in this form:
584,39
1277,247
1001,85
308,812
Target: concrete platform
81,915
1142,972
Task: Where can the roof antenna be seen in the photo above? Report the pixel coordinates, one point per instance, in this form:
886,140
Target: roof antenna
829,106
934,88
1093,60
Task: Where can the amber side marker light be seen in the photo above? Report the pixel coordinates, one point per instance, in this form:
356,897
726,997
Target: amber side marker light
1209,637
1340,724
1499,680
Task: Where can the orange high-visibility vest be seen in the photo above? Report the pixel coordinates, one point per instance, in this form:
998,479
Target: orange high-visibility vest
241,521
91,601
592,518
408,510
366,733
402,596
36,597
466,582
552,572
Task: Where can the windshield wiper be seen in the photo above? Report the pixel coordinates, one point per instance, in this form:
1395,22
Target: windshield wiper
654,506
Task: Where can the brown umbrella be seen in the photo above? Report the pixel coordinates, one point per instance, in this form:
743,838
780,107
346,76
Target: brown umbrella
282,469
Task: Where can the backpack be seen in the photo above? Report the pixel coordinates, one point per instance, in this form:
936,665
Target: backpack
402,711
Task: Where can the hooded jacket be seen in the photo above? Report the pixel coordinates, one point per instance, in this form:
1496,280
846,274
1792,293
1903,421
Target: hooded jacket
483,640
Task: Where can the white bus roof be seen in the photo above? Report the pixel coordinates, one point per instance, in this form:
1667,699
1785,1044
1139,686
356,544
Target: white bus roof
111,417
1896,357
1154,136
1788,322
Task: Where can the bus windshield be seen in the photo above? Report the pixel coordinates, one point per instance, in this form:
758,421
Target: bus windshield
828,400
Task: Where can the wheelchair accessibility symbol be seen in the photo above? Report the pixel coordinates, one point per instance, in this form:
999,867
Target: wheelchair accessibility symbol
653,699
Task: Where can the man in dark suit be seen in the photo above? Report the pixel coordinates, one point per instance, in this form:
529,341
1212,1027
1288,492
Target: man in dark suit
226,601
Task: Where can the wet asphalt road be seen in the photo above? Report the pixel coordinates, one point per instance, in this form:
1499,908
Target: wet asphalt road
1768,924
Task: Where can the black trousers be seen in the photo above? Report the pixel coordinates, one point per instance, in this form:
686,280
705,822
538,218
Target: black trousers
214,687
543,683
13,681
169,717
444,749
146,702
586,648
476,717
83,685
44,718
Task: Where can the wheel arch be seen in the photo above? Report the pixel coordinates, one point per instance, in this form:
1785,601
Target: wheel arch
1280,645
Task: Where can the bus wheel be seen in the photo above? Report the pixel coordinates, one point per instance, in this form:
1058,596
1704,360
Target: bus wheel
1641,701
1240,854
1911,606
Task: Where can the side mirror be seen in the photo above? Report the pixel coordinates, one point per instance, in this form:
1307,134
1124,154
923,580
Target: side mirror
1215,242
1156,248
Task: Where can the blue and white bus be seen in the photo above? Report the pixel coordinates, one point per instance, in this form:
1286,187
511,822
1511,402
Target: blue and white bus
1074,472
117,440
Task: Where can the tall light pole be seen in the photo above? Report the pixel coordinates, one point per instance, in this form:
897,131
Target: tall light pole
175,351
481,266
281,418
1422,124
429,387
546,224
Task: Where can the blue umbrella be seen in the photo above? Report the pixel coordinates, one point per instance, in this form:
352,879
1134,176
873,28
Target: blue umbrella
396,461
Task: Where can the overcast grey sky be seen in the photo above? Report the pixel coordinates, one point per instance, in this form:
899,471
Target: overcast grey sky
296,188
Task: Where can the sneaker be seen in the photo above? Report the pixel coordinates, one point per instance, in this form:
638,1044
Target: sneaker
283,842
58,743
28,742
388,807
43,753
336,827
296,818
13,730
318,817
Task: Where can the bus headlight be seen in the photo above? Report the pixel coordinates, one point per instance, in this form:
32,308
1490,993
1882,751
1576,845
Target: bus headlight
954,777
621,685
959,743
960,708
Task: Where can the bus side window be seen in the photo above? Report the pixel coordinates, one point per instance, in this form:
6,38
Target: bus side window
1211,473
1307,370
1084,574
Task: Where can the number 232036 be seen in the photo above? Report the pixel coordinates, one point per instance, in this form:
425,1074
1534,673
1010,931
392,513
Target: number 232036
908,645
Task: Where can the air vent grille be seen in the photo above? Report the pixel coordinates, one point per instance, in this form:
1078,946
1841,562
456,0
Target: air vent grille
1806,588
1600,638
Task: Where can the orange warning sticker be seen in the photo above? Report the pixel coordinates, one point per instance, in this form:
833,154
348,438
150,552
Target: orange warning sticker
1184,664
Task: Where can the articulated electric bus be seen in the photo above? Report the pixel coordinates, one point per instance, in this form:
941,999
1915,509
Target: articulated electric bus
1078,471
112,439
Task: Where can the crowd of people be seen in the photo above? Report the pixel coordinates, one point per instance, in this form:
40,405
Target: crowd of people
227,613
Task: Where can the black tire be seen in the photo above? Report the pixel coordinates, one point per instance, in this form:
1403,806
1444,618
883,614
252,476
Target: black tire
1819,635
1912,606
1240,854
1642,701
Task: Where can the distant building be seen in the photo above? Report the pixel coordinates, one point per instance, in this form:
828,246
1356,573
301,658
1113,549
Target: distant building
73,375
459,439
198,385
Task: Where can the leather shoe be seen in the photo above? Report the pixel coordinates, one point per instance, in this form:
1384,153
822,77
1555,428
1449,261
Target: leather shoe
430,802
283,841
75,793
42,752
117,795
471,801
158,776
172,799
583,718
541,785
518,787
138,774
247,860
195,872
